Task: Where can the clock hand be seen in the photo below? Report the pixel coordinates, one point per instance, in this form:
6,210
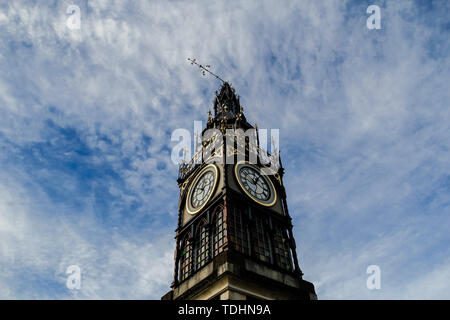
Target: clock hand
253,180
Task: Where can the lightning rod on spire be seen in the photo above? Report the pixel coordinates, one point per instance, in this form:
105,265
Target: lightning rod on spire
205,69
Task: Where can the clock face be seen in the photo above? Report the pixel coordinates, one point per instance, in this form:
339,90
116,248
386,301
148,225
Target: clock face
255,185
202,189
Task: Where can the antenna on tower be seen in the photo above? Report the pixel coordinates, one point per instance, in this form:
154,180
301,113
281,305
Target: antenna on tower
205,69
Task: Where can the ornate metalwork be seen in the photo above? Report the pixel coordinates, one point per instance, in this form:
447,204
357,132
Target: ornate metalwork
205,68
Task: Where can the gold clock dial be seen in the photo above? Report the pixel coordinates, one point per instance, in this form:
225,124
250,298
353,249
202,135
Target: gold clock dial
201,189
257,186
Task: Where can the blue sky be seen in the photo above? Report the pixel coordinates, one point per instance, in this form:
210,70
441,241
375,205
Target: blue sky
86,117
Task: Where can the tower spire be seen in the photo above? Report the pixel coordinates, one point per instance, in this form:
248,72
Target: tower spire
227,108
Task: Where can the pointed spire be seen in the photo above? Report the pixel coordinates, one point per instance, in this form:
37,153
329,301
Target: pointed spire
226,102
228,112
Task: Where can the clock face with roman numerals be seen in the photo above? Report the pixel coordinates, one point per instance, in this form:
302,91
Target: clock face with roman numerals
254,184
202,188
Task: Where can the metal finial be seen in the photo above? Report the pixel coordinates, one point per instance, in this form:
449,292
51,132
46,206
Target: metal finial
205,69
184,154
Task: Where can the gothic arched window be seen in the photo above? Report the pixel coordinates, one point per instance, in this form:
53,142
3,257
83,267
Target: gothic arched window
260,239
186,257
202,246
219,232
238,234
282,250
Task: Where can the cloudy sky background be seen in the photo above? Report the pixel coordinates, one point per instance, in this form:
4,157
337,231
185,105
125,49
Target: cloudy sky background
86,117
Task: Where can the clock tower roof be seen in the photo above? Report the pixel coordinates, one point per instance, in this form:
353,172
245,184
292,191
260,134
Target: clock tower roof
227,109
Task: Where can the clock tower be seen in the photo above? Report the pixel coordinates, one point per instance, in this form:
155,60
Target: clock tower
234,239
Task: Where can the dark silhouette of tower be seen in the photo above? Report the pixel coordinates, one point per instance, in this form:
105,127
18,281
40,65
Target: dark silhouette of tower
234,238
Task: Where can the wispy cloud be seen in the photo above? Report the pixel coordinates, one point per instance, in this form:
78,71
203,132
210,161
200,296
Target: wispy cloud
86,117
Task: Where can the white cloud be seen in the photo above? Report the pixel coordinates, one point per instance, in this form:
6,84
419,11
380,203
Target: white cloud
364,136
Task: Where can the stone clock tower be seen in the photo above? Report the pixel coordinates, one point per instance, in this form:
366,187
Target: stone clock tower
234,238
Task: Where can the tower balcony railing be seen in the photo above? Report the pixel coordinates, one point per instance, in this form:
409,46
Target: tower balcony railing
186,168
